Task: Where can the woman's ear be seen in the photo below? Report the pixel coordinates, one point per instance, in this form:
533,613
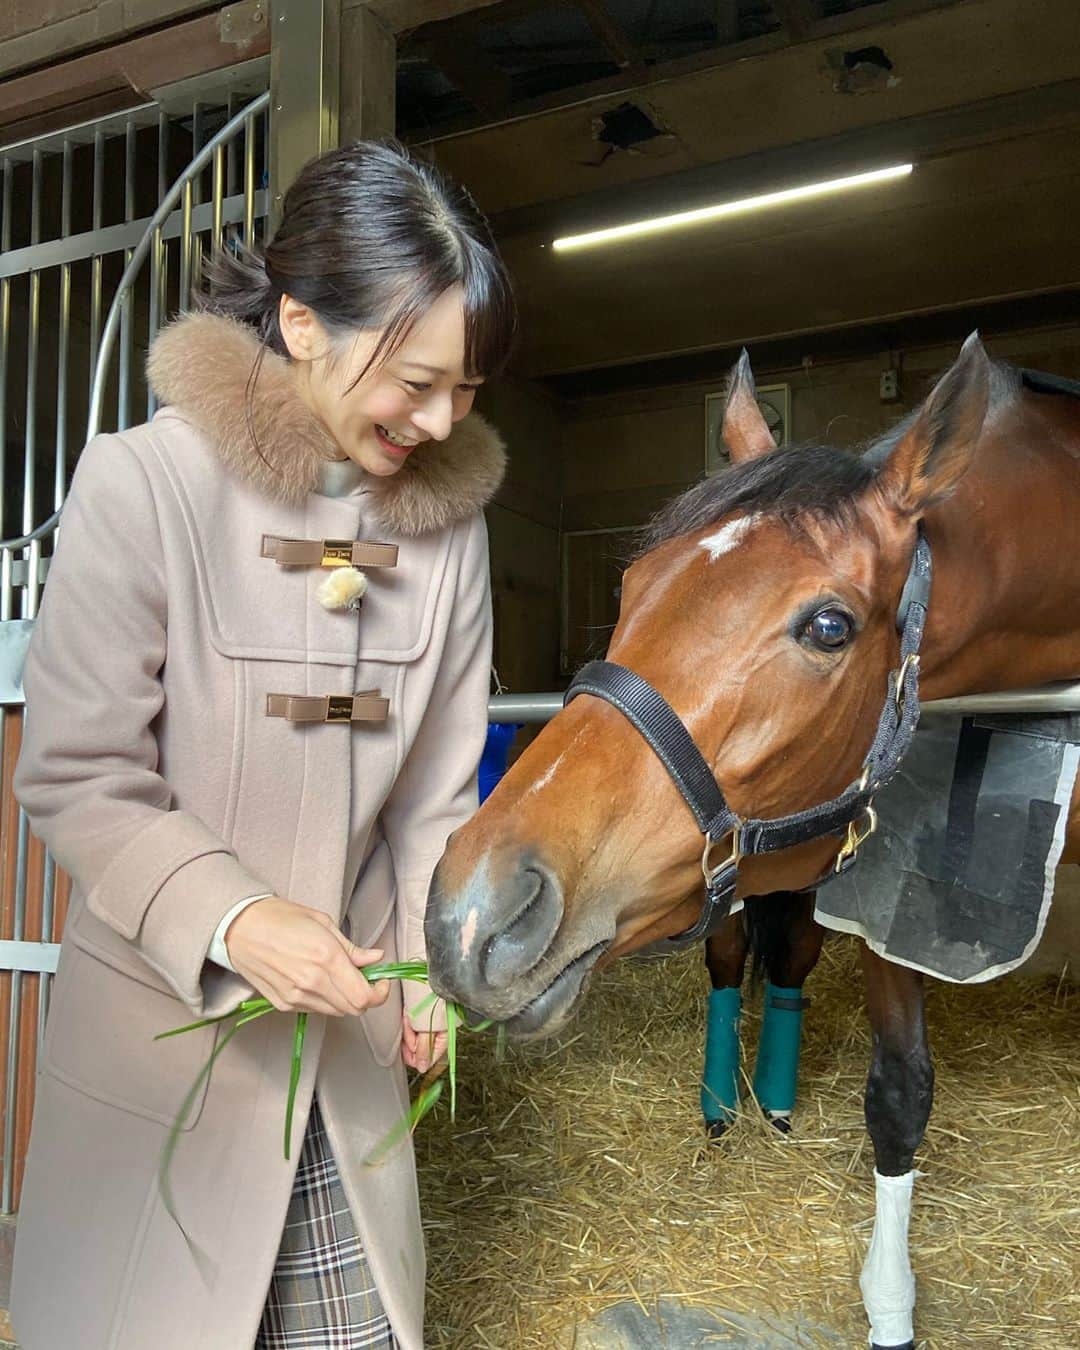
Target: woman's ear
301,330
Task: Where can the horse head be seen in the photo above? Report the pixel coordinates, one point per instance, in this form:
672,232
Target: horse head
763,609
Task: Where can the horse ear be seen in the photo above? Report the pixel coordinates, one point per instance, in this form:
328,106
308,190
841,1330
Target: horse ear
745,431
936,451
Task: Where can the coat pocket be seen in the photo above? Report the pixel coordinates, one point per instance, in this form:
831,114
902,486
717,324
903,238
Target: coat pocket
100,1040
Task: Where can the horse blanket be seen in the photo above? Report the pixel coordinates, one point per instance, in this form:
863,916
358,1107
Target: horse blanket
957,881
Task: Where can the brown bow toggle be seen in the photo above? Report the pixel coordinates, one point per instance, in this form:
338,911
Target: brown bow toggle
368,706
344,585
328,552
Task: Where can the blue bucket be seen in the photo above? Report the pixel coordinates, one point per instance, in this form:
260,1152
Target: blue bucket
500,737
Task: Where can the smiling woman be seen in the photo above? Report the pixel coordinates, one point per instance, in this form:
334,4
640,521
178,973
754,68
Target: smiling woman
249,775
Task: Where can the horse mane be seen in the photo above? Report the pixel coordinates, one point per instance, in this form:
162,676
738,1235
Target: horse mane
797,482
789,484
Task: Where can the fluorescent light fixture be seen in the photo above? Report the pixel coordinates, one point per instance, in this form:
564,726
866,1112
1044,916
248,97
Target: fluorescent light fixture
658,224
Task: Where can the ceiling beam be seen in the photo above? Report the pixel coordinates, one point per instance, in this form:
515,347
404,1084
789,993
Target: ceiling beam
404,15
873,17
453,48
919,139
627,57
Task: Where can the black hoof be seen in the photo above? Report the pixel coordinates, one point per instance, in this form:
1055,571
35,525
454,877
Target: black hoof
716,1129
783,1125
908,1345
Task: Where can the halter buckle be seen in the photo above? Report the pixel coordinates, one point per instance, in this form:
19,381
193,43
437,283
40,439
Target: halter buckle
708,871
856,837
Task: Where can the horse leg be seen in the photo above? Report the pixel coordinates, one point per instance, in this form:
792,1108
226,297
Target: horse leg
899,1094
788,960
725,957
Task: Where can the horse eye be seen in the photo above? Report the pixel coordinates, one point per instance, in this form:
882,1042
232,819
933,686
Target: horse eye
829,629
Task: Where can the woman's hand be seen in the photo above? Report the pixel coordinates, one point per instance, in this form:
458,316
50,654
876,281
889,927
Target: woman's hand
298,959
421,1049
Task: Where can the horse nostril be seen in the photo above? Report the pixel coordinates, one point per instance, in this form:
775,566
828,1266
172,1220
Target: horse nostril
517,948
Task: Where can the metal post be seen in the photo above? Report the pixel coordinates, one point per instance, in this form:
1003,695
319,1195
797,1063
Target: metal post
305,89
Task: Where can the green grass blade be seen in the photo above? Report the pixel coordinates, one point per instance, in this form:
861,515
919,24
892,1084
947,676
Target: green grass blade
424,1102
294,1075
451,1054
165,1162
259,1005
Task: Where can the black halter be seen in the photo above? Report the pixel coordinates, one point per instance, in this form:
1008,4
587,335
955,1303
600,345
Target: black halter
852,812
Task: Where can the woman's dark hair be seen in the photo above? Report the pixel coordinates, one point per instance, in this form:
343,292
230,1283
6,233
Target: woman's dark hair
370,238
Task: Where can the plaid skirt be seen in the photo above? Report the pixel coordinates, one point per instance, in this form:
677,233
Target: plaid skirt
322,1295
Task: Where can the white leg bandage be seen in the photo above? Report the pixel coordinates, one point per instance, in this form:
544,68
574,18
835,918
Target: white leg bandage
887,1284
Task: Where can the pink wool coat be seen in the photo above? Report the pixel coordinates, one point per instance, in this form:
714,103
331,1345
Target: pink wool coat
153,772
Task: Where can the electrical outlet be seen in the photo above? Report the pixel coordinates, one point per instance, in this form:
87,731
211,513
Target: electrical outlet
889,386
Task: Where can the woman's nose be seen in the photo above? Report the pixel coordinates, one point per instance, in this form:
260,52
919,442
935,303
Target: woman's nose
435,419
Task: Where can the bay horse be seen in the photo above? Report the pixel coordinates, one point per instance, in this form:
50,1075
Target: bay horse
779,622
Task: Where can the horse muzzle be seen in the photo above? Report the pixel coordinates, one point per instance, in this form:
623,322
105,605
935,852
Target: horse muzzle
494,944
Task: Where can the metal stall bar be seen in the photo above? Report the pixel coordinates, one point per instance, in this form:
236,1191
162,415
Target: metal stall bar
249,181
216,200
14,1018
27,573
186,242
63,339
159,275
97,261
1061,697
127,314
5,323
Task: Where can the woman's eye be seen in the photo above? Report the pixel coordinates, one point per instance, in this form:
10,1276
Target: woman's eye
829,629
417,387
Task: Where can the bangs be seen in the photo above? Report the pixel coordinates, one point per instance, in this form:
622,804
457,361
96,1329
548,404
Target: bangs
490,316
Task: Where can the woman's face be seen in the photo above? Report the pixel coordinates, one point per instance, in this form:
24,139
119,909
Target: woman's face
415,395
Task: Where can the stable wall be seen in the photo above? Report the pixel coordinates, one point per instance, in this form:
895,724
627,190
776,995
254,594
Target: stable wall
523,526
627,454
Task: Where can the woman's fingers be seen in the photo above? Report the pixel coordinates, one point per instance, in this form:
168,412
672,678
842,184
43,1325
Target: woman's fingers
301,962
421,1049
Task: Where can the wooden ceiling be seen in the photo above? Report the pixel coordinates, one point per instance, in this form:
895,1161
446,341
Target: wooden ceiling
567,116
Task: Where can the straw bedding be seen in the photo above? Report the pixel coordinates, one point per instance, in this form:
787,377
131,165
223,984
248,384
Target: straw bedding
576,1175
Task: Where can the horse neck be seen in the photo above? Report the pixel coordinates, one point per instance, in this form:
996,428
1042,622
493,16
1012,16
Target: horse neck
1005,607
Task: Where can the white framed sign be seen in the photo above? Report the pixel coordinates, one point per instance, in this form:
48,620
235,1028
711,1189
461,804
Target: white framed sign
774,400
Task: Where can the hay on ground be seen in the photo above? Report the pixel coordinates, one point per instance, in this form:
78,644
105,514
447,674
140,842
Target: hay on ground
576,1175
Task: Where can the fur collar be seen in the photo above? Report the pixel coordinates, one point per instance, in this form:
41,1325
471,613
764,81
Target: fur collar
201,364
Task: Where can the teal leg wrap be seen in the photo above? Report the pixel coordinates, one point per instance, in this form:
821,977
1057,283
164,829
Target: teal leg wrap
776,1073
720,1081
